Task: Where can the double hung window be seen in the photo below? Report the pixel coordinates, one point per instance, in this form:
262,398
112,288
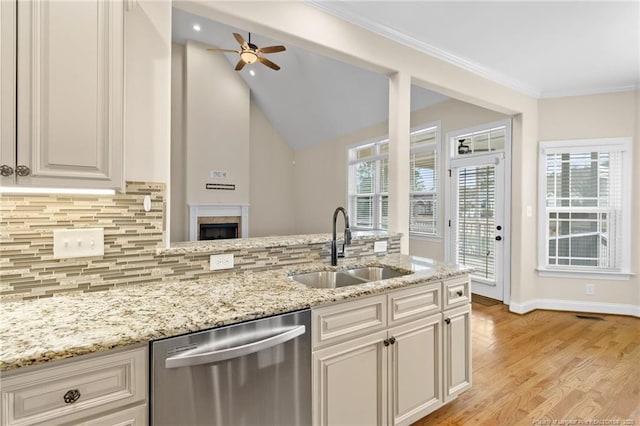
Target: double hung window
368,185
585,205
423,192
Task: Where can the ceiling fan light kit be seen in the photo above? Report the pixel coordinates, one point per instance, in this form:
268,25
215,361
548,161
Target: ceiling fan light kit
250,53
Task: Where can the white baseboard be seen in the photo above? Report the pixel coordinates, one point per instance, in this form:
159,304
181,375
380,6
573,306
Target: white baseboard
571,305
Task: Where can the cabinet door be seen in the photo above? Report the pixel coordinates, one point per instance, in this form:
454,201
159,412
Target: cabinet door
8,90
457,351
415,375
70,93
350,382
135,416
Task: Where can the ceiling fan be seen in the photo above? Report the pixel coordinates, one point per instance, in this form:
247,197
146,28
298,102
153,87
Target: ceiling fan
250,53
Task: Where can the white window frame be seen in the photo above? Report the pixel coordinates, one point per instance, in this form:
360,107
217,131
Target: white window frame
377,194
437,147
624,246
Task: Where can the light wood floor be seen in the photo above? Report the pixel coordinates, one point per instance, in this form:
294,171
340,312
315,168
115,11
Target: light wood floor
545,366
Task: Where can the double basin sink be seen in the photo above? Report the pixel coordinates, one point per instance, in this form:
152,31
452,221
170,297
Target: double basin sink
334,279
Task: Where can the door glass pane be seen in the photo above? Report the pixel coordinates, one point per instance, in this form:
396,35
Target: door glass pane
476,219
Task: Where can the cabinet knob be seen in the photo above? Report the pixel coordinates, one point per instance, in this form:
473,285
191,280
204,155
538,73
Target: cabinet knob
392,340
22,170
447,320
385,342
459,293
71,396
6,170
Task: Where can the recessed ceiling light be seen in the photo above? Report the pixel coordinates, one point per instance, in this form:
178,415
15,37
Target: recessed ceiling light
252,72
196,27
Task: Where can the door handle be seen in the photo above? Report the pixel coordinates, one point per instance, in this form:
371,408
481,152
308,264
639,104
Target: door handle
191,359
498,238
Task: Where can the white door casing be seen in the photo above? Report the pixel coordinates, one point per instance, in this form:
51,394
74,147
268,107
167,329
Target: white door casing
477,233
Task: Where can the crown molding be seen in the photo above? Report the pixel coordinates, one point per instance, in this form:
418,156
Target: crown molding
586,92
336,10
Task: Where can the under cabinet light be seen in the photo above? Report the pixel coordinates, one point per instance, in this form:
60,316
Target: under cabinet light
66,191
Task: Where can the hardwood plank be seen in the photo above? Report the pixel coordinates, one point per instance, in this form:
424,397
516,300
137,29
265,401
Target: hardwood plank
546,366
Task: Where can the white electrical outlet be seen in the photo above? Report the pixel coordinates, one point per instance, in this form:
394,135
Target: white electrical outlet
221,261
590,289
84,242
380,247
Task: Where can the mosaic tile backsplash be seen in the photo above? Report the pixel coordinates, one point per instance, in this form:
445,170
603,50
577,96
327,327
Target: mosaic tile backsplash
133,240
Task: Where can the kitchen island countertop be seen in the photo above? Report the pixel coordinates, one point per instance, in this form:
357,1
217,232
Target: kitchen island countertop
37,331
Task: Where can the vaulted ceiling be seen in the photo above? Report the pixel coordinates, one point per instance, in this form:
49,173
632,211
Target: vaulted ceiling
312,98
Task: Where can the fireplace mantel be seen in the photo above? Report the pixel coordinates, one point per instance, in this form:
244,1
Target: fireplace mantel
216,210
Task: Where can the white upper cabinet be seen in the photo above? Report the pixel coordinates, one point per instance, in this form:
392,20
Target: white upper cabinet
70,93
8,90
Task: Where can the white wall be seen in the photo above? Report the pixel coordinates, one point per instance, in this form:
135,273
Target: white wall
268,168
272,210
217,127
586,117
321,170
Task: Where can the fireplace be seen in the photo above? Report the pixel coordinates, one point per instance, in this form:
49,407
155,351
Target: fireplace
218,221
218,227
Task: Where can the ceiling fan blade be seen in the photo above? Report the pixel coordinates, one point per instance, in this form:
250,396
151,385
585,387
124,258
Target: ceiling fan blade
268,63
240,65
272,49
241,40
223,50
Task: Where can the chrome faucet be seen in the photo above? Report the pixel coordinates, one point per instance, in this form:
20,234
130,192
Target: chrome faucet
347,236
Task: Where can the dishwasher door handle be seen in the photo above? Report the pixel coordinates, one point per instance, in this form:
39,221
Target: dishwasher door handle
192,360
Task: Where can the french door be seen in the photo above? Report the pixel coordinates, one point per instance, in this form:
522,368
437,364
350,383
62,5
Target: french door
479,216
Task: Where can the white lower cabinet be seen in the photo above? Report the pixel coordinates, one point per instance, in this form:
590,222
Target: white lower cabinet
99,389
350,382
395,376
415,369
457,350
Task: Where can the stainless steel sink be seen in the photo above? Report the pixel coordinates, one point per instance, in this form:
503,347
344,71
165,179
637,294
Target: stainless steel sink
333,279
374,273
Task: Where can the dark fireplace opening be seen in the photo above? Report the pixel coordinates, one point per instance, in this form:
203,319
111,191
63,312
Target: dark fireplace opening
218,231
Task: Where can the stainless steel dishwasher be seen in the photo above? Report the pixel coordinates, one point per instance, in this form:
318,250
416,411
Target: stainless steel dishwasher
252,373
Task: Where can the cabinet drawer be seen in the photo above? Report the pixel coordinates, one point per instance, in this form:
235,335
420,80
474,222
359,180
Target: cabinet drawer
348,320
456,292
414,303
89,386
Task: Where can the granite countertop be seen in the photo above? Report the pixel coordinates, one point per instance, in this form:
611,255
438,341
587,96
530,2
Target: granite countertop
266,242
37,331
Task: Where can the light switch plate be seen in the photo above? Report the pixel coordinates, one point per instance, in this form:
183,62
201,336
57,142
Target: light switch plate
221,261
379,246
83,242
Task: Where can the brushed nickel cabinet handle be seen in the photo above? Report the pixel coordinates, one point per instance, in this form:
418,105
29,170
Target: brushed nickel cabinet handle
6,170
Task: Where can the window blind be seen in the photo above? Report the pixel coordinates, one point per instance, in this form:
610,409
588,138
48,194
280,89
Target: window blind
423,181
584,209
476,219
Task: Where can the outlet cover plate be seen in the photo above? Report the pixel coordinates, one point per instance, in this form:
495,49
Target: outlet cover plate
380,247
82,242
221,261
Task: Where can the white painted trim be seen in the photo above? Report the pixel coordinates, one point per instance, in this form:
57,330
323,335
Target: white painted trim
596,275
575,306
466,64
199,210
586,92
623,145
